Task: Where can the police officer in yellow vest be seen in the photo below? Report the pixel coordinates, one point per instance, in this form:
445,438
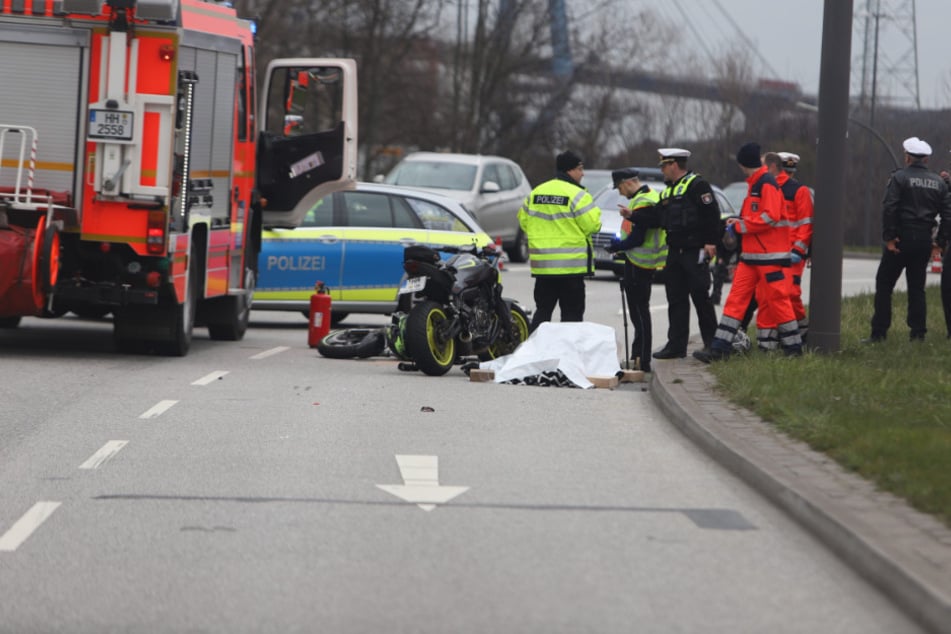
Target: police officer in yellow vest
558,218
645,251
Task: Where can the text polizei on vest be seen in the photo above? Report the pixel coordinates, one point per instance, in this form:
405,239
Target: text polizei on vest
548,199
926,183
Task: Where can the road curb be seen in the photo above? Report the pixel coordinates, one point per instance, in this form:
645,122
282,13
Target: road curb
903,552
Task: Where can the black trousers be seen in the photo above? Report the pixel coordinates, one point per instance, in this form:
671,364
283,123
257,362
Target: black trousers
687,278
567,292
913,259
637,290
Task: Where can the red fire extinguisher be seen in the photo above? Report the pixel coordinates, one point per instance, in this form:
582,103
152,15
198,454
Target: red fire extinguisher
319,315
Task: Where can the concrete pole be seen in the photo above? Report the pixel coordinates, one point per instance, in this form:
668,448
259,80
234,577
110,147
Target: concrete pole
825,292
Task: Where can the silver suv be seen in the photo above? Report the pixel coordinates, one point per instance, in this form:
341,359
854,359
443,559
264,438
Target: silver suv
491,188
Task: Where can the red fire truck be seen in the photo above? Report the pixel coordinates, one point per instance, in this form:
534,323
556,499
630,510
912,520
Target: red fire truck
137,167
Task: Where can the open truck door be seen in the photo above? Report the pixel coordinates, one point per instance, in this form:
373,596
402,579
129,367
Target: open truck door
307,141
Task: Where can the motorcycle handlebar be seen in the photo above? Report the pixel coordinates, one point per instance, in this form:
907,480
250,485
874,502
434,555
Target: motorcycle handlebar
487,250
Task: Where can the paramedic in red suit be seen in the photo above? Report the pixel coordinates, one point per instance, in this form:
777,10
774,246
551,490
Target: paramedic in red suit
799,209
763,267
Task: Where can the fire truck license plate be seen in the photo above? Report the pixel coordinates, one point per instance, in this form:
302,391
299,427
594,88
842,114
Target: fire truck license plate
115,125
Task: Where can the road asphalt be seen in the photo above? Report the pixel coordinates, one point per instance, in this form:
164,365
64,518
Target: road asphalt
905,553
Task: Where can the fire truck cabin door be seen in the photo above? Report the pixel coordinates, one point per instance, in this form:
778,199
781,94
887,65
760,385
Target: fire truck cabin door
307,143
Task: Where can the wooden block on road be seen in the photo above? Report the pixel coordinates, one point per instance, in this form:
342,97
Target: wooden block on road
632,376
477,375
609,382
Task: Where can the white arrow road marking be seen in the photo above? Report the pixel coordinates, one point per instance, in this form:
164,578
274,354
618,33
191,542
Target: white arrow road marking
208,378
272,351
107,451
158,409
24,527
421,482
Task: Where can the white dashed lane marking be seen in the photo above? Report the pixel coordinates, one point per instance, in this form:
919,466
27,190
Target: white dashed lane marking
211,377
158,409
107,451
24,527
272,351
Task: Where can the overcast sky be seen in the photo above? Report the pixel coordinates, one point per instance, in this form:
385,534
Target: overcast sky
788,34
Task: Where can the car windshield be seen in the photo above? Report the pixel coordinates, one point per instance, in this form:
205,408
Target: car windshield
608,199
595,180
434,174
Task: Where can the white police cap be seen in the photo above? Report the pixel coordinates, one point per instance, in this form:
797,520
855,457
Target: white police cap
671,153
789,160
916,147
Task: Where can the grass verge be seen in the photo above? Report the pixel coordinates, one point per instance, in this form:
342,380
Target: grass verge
882,410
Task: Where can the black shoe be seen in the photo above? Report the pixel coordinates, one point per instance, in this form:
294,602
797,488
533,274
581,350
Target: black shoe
874,339
667,353
917,338
709,355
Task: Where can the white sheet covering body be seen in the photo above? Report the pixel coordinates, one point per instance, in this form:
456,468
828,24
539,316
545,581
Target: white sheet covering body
578,349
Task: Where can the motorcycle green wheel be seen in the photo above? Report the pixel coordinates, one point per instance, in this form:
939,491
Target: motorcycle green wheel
425,341
507,344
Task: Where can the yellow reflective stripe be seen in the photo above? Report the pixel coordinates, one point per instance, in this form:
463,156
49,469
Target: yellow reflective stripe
102,237
555,264
559,251
210,174
543,215
39,165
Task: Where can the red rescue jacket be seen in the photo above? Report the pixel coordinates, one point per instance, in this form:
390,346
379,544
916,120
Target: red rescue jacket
763,223
799,210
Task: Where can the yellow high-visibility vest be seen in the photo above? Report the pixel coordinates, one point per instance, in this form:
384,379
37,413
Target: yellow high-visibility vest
558,219
652,253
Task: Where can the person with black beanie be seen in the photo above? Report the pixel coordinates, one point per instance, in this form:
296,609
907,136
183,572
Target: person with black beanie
558,218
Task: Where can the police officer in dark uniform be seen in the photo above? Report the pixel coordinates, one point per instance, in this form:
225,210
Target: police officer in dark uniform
688,211
914,197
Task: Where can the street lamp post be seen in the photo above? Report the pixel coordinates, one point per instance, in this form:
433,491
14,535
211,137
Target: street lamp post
825,309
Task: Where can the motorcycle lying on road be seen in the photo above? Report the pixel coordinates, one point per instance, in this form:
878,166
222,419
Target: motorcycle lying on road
453,308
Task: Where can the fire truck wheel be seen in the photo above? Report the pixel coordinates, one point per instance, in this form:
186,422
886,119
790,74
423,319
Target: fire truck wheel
181,317
229,316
